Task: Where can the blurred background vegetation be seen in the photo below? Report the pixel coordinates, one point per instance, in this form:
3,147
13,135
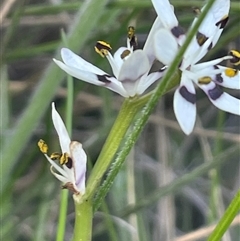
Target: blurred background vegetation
173,201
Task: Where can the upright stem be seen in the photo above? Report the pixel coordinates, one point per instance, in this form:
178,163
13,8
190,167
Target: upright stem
128,111
83,219
227,219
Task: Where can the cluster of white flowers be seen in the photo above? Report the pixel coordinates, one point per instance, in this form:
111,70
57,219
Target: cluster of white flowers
132,77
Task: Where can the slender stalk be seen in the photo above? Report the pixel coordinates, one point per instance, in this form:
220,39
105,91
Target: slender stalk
118,131
227,219
83,219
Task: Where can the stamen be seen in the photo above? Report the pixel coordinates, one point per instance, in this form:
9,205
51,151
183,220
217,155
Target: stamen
231,72
131,32
132,37
64,158
102,48
43,146
55,156
236,57
125,53
204,80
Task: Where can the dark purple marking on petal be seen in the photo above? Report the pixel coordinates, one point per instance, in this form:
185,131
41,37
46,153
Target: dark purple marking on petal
201,38
103,78
69,162
215,93
188,96
177,31
210,46
219,77
222,23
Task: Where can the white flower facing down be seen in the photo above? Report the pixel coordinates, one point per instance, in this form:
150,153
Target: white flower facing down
208,75
130,67
72,169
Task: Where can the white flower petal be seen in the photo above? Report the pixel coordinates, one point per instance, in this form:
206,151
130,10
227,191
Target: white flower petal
184,104
132,70
165,13
118,59
221,99
79,159
86,76
165,46
63,136
73,60
148,47
227,81
148,80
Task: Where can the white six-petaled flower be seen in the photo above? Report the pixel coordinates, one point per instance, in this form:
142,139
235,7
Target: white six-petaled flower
208,75
72,169
130,67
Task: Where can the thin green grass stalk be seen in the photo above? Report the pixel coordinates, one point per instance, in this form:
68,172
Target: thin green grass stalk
215,184
227,219
163,86
176,185
4,104
86,19
109,223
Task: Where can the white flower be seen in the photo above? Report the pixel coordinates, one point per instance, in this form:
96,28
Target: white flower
208,75
72,168
130,67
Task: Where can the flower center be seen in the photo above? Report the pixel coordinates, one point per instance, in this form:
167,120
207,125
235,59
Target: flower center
102,48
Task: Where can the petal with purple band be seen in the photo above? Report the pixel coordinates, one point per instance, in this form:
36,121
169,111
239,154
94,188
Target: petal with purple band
221,99
184,104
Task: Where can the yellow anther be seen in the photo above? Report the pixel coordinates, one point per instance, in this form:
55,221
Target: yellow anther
55,156
132,37
102,48
125,53
43,146
236,57
231,72
204,80
131,32
64,159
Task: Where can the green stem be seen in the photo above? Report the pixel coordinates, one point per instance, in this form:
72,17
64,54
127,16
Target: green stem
83,219
120,127
227,219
